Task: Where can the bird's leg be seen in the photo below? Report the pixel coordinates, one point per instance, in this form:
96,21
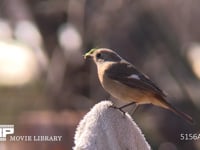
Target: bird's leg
126,105
132,103
121,108
118,109
134,109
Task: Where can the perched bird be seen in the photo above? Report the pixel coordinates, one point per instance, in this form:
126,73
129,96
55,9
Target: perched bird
124,82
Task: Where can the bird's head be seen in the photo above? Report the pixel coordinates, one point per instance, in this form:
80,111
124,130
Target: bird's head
101,55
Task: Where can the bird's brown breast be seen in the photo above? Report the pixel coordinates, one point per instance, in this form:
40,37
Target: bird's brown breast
123,92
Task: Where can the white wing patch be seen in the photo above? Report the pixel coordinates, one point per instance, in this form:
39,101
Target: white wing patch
134,76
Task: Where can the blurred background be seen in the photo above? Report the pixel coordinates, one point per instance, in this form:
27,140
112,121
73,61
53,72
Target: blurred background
46,86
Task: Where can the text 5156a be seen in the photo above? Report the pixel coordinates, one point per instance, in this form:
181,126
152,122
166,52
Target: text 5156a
189,136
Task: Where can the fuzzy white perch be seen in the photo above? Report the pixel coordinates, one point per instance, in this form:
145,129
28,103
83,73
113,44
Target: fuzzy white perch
106,128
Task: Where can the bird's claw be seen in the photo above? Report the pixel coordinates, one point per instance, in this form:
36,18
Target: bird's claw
119,108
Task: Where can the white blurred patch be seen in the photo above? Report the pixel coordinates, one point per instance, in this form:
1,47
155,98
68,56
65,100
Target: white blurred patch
71,42
193,56
18,64
5,30
69,38
134,76
27,32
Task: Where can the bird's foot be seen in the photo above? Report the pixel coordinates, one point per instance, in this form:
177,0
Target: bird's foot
119,108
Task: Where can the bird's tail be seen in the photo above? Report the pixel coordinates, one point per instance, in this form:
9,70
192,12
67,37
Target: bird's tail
184,116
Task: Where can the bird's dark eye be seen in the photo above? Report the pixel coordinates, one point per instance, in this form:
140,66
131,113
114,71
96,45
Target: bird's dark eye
98,55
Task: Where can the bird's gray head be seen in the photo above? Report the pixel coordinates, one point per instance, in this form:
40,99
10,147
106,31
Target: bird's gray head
103,55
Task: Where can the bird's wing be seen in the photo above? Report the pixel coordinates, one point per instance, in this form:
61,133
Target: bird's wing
127,74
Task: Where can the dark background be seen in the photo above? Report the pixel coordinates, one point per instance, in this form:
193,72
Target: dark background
57,87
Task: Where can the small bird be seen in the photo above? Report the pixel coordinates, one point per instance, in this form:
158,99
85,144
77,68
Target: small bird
123,81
